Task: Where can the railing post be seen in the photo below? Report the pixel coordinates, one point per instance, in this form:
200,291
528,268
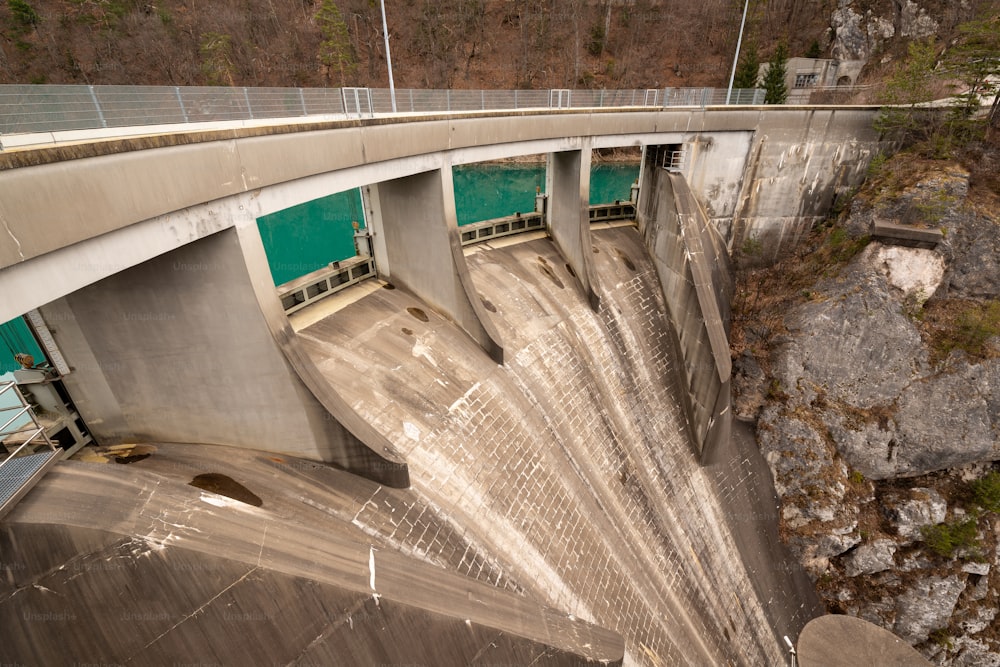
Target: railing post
302,100
97,106
447,97
482,99
246,98
180,103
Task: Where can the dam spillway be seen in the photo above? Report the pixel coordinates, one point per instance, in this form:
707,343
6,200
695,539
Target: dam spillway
568,470
565,478
537,472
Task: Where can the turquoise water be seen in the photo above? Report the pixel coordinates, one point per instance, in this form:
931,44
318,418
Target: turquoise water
15,337
309,236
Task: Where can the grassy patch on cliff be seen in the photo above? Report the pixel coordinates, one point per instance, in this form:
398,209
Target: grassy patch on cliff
948,539
966,325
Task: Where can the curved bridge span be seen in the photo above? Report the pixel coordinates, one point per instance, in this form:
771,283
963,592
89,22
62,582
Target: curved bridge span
529,418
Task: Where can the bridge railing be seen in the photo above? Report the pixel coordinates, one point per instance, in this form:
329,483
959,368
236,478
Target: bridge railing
53,108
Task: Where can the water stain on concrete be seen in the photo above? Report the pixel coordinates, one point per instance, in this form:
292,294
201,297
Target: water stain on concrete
226,486
626,260
388,286
131,458
407,331
418,313
488,305
544,268
570,270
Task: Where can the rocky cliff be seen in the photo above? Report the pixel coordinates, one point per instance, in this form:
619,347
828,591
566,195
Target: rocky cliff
872,368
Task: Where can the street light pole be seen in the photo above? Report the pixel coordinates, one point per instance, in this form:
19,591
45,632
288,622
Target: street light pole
739,42
388,58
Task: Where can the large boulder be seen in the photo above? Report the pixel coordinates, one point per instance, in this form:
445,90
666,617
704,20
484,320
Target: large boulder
926,606
876,556
909,511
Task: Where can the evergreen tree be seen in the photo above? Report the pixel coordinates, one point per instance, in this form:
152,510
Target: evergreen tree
748,69
975,61
335,50
775,90
814,50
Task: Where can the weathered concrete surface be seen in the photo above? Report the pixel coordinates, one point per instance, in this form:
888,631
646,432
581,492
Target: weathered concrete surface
113,564
695,277
564,476
570,465
567,182
845,641
799,160
179,350
742,481
414,220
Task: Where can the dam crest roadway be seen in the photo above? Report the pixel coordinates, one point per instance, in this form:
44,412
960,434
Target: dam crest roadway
510,451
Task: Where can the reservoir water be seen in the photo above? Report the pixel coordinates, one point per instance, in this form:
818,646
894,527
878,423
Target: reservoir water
309,236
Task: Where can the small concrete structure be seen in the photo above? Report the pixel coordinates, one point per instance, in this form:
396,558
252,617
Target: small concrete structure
846,641
909,236
803,75
567,179
179,349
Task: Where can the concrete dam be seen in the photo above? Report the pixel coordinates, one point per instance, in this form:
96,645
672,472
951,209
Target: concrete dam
516,452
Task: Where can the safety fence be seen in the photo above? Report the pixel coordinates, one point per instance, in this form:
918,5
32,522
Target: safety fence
54,108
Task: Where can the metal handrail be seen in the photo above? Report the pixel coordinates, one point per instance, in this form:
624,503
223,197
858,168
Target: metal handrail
30,108
20,412
18,474
32,439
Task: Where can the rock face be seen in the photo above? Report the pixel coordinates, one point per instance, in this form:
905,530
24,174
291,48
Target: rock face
870,558
910,511
854,356
858,35
926,606
873,434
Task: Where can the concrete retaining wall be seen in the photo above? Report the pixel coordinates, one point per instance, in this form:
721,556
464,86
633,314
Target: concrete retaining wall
693,269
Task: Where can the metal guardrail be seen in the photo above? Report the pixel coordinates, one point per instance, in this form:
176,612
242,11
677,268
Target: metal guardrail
479,232
312,287
321,283
23,467
52,108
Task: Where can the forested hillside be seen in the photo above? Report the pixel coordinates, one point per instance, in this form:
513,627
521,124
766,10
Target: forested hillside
435,43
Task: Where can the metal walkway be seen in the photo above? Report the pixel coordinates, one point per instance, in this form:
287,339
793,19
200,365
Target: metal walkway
23,467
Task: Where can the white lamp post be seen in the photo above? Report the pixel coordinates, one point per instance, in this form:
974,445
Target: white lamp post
736,58
388,58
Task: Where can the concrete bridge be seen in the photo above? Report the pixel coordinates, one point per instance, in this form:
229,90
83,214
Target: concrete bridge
538,412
